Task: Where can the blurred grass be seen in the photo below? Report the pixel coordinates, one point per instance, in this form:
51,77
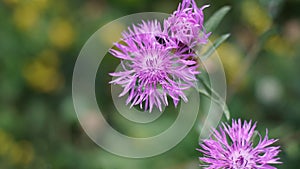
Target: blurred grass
40,40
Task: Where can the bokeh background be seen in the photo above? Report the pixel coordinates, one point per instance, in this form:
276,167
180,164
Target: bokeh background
40,41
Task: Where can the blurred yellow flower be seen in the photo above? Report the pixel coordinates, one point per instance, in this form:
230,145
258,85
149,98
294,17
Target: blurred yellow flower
11,2
5,142
16,153
27,153
231,58
42,73
279,46
36,4
40,4
25,17
26,14
256,16
61,33
112,34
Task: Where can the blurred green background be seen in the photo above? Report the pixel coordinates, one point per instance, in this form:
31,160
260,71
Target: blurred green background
40,41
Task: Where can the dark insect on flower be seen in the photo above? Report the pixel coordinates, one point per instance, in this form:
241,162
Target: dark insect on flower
160,40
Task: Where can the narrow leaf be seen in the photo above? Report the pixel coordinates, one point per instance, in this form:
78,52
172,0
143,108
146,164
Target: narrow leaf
215,45
216,18
205,89
226,111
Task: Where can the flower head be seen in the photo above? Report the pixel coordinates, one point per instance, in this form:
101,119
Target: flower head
186,24
232,147
152,69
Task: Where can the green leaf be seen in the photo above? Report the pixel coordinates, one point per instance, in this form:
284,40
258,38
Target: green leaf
255,134
215,45
226,111
204,88
216,18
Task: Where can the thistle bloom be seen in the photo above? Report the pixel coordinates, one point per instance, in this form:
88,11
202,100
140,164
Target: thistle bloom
232,147
151,68
186,24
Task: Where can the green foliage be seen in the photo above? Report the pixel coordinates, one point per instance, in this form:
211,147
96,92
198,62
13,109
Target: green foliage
205,88
216,18
214,46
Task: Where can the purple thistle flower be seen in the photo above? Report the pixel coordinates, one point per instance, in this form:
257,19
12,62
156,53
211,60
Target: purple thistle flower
186,24
152,69
232,148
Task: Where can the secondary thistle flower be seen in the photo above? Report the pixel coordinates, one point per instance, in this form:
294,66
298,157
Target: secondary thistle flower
186,24
152,69
232,148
